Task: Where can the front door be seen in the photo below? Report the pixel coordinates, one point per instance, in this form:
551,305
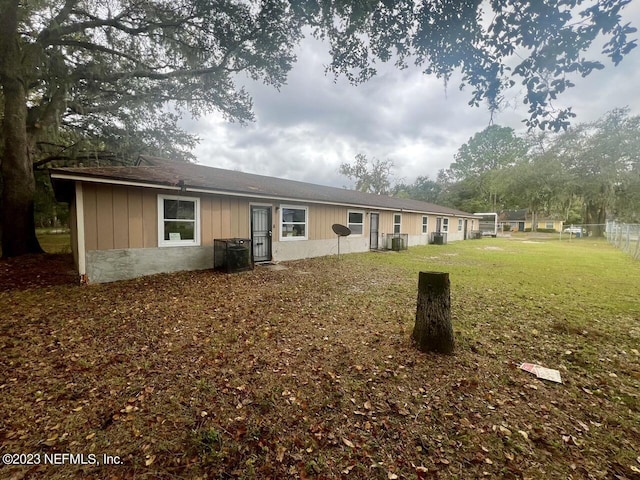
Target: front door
261,233
466,226
373,235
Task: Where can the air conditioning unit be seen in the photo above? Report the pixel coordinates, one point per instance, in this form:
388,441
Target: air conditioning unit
396,241
232,255
439,238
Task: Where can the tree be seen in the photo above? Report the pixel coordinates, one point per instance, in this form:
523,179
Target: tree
423,189
539,184
89,63
477,163
101,68
601,157
493,148
374,178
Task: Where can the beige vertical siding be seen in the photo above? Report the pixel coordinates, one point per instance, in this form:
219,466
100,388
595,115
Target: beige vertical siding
90,217
240,218
386,222
150,218
118,217
206,227
322,217
410,223
104,214
134,206
225,215
121,237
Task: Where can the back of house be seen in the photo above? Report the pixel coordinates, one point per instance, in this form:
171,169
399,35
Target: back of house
161,216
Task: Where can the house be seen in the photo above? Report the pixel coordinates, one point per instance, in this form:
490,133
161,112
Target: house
162,216
523,221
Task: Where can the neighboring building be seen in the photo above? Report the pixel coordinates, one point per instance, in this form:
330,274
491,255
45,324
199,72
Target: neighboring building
523,221
163,216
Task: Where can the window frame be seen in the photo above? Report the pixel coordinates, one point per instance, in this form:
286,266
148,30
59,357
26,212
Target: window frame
358,212
459,224
399,224
444,227
425,225
281,235
196,222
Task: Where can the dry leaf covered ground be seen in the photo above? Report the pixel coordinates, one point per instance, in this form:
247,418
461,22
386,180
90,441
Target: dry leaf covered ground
309,372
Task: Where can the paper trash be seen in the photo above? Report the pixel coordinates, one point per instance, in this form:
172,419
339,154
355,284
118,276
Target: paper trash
542,372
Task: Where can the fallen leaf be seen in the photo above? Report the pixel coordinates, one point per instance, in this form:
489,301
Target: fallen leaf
348,442
149,460
584,426
392,476
280,453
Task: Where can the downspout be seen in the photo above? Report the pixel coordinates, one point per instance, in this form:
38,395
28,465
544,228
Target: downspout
82,260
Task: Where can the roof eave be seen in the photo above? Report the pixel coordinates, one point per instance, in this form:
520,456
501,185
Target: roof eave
62,175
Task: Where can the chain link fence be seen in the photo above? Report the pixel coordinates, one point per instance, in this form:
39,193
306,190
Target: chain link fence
625,236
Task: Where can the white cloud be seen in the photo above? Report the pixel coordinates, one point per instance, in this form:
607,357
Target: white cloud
315,123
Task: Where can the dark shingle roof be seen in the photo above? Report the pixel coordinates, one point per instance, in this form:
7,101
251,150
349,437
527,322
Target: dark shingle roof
162,172
513,215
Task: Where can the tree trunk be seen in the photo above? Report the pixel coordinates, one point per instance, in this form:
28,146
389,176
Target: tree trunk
18,182
433,331
596,217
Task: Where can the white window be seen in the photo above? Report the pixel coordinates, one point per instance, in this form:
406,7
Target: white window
355,222
445,224
293,222
397,222
178,221
425,224
459,224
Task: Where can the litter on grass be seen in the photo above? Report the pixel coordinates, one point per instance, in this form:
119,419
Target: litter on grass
542,372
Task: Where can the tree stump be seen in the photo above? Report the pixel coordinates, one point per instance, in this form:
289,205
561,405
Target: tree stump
433,331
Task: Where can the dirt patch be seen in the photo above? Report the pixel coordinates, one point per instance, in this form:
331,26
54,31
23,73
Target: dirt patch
42,270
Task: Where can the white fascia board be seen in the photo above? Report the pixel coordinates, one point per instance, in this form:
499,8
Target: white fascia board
82,259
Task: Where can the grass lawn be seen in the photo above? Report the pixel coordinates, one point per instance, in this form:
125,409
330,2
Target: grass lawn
309,372
54,240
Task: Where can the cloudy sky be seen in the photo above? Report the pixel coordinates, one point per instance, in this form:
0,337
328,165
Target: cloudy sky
305,130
